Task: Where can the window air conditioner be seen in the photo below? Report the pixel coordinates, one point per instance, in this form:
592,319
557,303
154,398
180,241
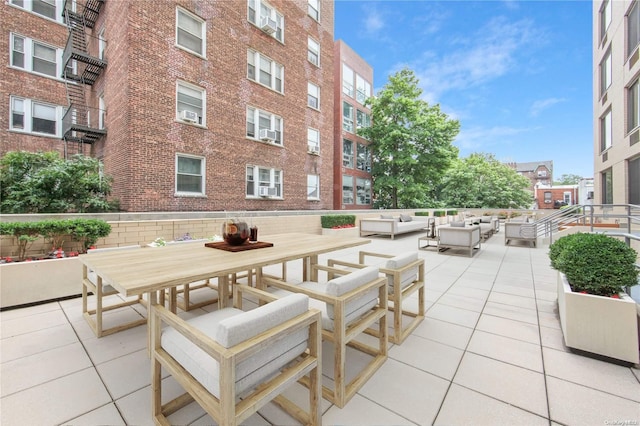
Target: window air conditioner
190,116
267,135
264,191
314,150
272,191
268,25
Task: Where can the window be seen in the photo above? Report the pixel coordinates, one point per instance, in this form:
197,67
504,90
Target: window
35,117
314,9
605,17
548,197
607,187
189,174
363,89
605,132
270,73
363,190
634,181
542,173
313,51
190,32
347,117
362,119
347,153
347,189
262,177
101,112
313,187
363,161
33,56
51,9
102,45
313,96
605,73
347,80
633,98
191,103
265,17
633,28
313,140
266,121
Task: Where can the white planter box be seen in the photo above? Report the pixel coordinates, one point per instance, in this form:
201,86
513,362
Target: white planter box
600,325
344,232
36,281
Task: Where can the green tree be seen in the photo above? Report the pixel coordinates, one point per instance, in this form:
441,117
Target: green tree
568,179
481,181
43,182
411,143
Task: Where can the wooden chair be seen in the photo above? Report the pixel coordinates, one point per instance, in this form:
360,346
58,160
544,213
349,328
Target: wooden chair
405,275
350,303
233,362
91,283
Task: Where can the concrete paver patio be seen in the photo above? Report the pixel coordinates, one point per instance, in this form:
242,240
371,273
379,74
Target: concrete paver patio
490,351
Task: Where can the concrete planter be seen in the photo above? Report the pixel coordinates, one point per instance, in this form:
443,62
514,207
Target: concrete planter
343,232
36,281
600,325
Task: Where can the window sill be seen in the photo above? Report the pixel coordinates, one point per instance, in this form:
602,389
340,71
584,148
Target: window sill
189,195
191,51
313,108
265,86
200,126
42,135
279,145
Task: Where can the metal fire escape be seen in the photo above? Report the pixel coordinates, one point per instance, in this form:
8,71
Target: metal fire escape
81,123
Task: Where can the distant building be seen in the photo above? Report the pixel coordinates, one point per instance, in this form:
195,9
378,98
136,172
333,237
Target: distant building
538,172
616,101
554,197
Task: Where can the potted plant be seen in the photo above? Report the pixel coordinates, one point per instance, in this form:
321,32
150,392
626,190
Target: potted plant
596,314
339,224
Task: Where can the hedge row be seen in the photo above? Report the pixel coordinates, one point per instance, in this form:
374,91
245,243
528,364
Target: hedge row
333,220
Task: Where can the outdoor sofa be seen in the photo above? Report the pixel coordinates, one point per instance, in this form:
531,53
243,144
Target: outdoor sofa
458,235
392,226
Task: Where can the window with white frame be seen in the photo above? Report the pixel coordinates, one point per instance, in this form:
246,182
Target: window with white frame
633,99
605,73
363,161
191,103
313,140
314,9
605,132
607,186
190,176
363,191
313,51
264,16
347,80
605,17
363,89
313,187
347,189
265,126
313,96
548,197
35,56
347,153
263,177
362,119
633,28
268,73
191,32
101,112
36,117
51,9
347,116
102,44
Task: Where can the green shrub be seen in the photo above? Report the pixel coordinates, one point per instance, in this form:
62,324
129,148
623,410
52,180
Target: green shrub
89,230
439,213
421,214
597,264
558,246
452,212
337,220
24,234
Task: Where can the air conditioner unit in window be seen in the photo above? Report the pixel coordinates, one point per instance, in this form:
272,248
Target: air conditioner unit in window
265,191
190,116
268,25
314,150
267,135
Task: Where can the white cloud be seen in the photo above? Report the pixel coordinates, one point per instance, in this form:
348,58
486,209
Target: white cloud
538,106
480,139
373,21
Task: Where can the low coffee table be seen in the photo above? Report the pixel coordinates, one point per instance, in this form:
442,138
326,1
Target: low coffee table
428,239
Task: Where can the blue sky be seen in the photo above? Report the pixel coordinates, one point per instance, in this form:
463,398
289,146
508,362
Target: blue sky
516,74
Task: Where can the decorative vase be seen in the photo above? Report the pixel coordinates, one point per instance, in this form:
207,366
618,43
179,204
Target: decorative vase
235,233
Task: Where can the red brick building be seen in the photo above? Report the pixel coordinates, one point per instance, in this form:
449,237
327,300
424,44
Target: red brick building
352,156
553,197
538,172
191,105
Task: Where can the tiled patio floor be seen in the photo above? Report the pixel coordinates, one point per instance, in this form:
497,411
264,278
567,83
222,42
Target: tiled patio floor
490,351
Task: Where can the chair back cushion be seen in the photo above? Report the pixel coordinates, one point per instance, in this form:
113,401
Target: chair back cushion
399,262
230,327
346,283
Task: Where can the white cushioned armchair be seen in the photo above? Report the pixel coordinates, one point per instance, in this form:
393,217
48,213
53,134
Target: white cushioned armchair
233,362
464,237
